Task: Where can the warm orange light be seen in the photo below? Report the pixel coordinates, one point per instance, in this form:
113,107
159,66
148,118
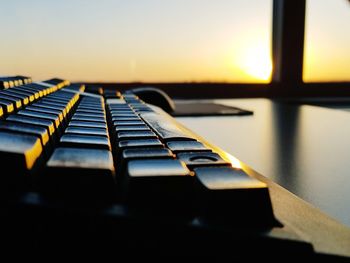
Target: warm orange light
255,61
233,160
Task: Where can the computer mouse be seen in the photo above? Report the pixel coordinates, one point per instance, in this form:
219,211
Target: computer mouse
154,96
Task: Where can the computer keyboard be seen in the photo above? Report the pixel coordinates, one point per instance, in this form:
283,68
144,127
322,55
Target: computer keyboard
104,169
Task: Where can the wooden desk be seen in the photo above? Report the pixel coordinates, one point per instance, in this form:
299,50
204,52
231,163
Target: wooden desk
306,149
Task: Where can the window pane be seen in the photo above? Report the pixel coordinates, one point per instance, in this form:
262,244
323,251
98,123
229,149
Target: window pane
327,41
153,40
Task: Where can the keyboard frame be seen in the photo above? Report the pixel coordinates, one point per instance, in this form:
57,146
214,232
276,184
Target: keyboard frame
304,228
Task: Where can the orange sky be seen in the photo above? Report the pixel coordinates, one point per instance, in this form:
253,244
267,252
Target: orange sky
160,40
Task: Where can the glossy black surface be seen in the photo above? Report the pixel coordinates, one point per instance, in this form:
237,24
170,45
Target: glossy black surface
145,153
85,175
18,152
123,122
49,125
136,135
230,195
7,106
163,184
140,143
86,130
76,123
85,141
187,146
41,115
131,128
24,128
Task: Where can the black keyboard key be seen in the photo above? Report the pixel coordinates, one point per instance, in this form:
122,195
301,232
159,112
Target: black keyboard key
49,87
35,107
125,118
189,146
41,89
25,80
121,113
90,119
29,90
93,112
5,83
131,128
49,125
128,123
58,82
87,141
124,110
79,174
84,114
7,106
112,103
196,159
111,94
17,103
9,82
76,123
22,99
26,98
230,196
41,115
47,105
87,131
147,153
124,135
18,153
140,153
140,143
17,127
90,108
164,184
56,101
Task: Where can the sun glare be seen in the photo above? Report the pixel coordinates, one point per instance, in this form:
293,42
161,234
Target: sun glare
256,62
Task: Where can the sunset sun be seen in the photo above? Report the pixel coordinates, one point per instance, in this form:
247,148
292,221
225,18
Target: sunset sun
256,62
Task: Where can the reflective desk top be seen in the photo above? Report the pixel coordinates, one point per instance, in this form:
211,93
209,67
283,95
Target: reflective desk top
305,149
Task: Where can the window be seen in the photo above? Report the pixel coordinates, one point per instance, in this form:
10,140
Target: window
327,41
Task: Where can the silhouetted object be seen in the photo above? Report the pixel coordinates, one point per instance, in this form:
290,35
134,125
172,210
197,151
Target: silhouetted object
155,96
288,42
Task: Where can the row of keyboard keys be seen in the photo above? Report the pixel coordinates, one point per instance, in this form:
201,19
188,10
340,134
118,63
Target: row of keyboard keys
27,139
150,175
29,129
9,82
172,172
19,153
17,98
83,159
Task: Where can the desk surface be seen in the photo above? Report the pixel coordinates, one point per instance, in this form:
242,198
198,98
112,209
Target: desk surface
306,149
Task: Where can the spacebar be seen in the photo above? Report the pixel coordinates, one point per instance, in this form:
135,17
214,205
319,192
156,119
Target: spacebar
165,127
